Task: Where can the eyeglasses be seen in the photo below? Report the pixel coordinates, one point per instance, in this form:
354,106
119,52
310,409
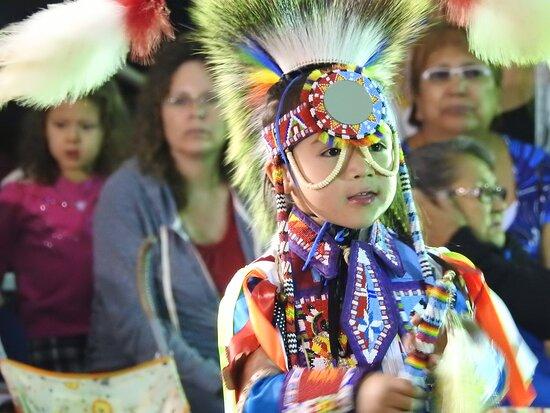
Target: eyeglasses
183,100
469,72
485,193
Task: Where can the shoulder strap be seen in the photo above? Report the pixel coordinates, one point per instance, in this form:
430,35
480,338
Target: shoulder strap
147,299
3,354
167,279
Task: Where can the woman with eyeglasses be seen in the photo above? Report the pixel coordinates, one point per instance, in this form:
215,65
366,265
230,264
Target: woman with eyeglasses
176,185
462,208
455,93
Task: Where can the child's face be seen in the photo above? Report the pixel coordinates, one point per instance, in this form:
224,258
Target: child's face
356,197
74,134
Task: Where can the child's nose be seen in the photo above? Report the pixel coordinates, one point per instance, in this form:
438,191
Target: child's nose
73,134
357,166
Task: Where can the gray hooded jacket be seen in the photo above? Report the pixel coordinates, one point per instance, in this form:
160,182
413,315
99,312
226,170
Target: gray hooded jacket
132,207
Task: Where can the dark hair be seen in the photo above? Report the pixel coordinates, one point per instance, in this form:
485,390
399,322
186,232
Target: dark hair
153,151
35,158
395,216
292,100
433,166
439,36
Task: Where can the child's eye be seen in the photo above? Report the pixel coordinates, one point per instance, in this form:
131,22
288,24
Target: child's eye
378,147
60,124
331,152
88,126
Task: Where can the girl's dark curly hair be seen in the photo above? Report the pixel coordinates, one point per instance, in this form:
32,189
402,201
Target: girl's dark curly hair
153,152
35,158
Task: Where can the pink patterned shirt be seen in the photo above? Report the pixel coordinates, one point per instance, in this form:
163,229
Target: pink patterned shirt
46,240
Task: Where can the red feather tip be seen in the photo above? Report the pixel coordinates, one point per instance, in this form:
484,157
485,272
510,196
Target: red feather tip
458,11
147,24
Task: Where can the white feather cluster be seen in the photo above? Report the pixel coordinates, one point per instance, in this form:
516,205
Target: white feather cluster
306,40
510,31
468,373
62,52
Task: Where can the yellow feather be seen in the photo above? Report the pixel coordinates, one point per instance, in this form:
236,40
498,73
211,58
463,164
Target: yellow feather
263,77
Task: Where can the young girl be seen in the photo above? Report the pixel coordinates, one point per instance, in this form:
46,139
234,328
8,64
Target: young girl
345,311
45,224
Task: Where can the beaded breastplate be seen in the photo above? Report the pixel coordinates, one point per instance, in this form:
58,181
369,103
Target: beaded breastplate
383,287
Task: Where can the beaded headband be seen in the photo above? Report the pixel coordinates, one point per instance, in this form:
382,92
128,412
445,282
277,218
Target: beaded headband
342,104
345,107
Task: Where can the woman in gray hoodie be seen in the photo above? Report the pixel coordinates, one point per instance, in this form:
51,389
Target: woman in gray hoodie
177,184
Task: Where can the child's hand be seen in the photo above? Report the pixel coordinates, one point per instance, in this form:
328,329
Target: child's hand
382,393
409,343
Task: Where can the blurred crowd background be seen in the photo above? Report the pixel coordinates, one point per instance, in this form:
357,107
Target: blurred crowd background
84,185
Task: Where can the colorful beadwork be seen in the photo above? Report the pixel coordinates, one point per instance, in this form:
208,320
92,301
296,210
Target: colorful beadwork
326,122
284,266
366,315
439,299
414,221
312,116
302,237
319,391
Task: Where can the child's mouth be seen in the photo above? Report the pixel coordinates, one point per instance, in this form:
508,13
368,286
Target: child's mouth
73,154
362,198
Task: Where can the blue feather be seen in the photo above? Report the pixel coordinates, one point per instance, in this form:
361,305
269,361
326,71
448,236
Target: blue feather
260,56
377,53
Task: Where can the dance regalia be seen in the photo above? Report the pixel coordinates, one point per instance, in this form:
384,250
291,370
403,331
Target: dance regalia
323,296
327,305
383,288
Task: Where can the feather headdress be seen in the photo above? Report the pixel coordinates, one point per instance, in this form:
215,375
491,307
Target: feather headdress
252,43
66,50
504,32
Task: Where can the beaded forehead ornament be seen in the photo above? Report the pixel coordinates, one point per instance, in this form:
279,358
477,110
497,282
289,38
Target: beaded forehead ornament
346,108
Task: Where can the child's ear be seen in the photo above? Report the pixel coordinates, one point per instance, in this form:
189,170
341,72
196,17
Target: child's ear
270,169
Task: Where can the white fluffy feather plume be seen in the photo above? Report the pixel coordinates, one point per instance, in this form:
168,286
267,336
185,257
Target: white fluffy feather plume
309,42
469,370
511,31
84,46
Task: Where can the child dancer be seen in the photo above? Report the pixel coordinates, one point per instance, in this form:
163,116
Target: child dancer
349,297
346,310
45,224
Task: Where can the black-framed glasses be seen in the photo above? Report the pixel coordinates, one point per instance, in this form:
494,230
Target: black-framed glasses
468,72
485,193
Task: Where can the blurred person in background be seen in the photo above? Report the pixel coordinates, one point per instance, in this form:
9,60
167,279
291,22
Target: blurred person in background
178,181
517,104
455,93
462,208
46,222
